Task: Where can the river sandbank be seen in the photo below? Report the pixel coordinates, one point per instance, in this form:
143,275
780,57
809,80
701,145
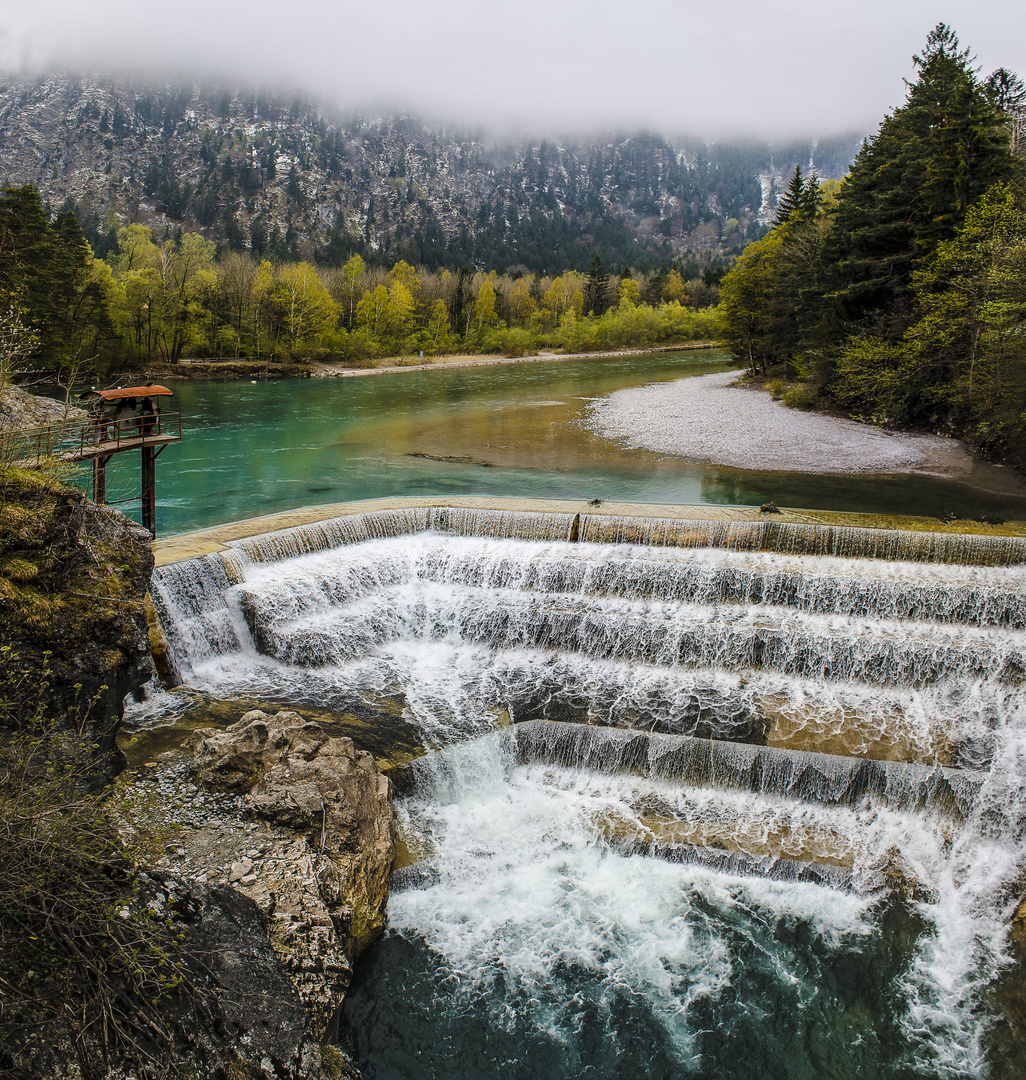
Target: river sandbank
706,420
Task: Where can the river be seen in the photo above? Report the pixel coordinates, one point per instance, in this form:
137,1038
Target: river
254,448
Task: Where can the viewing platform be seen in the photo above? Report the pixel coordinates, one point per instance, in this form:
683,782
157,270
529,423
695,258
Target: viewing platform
98,437
86,440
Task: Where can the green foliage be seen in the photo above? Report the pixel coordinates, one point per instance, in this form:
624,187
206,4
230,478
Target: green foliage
596,289
910,186
49,278
801,199
960,362
156,302
744,302
627,326
800,396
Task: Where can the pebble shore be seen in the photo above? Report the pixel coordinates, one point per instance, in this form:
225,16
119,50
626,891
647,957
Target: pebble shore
705,419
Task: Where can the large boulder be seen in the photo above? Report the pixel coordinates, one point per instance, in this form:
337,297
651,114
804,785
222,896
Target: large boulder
305,831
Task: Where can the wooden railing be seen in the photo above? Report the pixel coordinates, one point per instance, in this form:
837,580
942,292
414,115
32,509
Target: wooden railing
76,440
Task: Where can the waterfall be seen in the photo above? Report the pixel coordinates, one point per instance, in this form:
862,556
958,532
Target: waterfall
827,778
656,750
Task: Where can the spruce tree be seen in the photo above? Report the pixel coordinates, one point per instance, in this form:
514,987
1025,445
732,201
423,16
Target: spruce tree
28,254
800,200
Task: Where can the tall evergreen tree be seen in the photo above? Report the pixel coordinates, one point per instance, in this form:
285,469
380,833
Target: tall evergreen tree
1009,95
801,198
28,253
910,187
596,289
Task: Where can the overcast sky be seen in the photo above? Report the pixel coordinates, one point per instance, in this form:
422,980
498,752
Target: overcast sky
677,66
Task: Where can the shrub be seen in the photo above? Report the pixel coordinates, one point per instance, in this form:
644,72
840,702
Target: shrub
800,396
79,949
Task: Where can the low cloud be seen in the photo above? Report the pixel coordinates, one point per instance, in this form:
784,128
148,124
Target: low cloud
681,67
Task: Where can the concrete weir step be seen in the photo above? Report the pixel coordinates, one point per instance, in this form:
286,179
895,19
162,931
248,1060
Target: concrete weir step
743,864
812,777
423,874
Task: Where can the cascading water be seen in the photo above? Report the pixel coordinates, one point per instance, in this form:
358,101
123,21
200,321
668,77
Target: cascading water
761,811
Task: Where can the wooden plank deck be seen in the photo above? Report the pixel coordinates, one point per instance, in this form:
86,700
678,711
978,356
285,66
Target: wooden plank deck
114,446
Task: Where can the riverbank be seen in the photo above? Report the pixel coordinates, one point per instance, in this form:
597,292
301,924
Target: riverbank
460,361
233,369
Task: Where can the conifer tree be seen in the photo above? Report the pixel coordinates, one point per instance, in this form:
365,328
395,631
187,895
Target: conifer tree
800,200
27,253
82,324
910,187
596,289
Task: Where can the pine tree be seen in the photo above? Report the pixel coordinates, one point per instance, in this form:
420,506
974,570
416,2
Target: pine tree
800,200
28,253
1009,95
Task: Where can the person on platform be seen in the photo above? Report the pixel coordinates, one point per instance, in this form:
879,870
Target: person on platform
147,416
123,416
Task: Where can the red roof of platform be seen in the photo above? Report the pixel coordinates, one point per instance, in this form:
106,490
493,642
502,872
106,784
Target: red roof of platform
130,391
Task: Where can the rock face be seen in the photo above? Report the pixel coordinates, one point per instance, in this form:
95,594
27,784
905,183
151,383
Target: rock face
20,410
72,580
237,1013
251,1013
169,156
300,823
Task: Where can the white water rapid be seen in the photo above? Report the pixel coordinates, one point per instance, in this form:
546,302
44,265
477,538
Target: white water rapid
760,810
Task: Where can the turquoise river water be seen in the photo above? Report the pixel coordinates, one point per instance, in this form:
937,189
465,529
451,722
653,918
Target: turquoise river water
254,448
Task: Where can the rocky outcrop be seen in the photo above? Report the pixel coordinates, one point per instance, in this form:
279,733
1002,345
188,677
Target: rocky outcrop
234,1013
72,625
250,1016
263,866
21,410
300,824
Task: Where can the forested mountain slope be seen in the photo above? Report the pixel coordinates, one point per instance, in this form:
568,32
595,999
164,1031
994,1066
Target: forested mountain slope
284,179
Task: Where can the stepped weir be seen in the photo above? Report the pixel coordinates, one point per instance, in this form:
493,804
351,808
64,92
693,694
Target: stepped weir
678,775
